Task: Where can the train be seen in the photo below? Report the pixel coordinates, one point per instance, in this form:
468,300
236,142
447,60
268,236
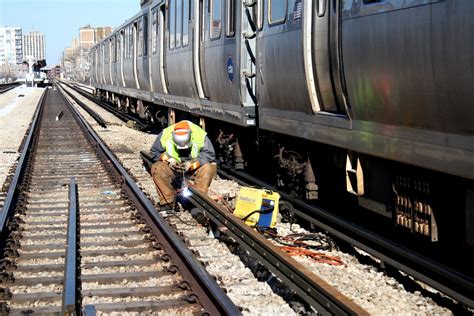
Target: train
369,102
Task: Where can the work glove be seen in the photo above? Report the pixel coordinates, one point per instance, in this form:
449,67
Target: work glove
191,165
173,164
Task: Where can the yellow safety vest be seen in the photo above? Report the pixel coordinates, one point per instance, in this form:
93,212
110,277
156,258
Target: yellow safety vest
198,136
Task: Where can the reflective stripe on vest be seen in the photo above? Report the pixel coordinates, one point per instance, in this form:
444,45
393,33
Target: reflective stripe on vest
198,135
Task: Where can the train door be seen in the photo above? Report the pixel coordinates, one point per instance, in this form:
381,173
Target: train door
220,53
199,37
112,60
154,56
179,50
280,58
135,53
156,51
120,56
106,63
96,64
163,40
324,63
142,49
102,65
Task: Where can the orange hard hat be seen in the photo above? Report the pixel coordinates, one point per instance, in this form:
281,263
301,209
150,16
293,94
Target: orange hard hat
182,134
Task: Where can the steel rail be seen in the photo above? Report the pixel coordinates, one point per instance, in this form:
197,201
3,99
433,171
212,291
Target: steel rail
123,116
91,112
312,289
14,188
70,297
210,295
8,86
446,280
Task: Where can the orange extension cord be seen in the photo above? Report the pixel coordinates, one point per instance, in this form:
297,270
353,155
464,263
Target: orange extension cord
297,249
313,255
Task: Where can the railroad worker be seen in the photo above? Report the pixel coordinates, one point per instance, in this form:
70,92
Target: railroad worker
181,150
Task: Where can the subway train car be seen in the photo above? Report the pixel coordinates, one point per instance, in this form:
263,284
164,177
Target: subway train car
367,100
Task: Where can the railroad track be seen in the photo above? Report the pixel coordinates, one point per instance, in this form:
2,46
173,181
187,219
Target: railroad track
77,233
319,294
139,123
8,86
309,287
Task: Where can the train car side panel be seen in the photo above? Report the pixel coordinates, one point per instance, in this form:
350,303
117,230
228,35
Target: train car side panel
220,54
280,65
179,58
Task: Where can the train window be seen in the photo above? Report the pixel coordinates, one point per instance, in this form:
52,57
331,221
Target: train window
145,35
172,20
112,49
125,44
107,51
205,26
179,22
230,22
277,11
119,47
140,38
185,22
130,41
154,32
353,8
215,19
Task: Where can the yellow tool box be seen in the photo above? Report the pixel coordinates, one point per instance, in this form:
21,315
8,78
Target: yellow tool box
258,208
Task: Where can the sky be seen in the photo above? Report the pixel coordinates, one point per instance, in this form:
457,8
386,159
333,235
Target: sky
60,20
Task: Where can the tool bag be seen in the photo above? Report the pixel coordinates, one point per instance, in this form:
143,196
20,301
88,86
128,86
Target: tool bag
257,207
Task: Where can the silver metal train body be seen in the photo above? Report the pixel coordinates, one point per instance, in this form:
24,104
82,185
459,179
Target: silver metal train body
391,79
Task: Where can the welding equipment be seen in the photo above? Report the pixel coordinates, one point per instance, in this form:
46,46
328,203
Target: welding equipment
257,207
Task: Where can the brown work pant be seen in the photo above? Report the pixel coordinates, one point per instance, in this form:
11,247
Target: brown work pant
163,177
